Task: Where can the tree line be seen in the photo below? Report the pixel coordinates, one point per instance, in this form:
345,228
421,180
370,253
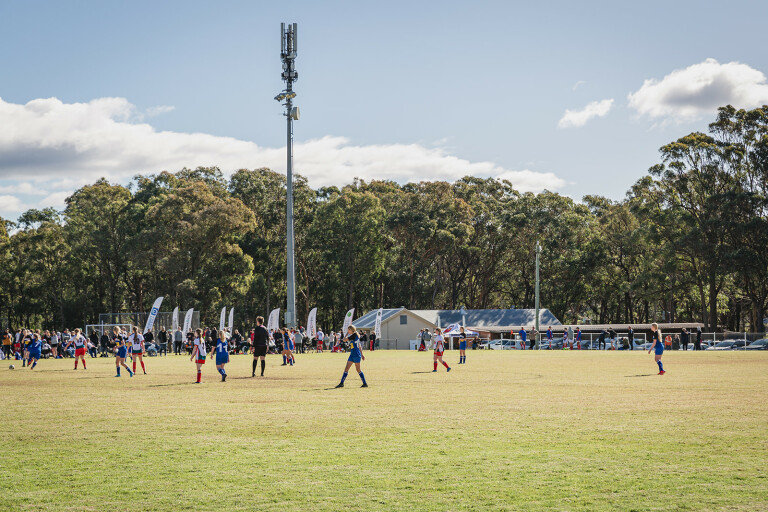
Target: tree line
687,243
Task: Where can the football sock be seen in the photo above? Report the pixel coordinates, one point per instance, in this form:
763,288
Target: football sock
118,371
445,364
34,364
344,377
84,364
285,360
661,365
134,366
435,365
362,377
76,364
221,371
142,366
263,364
199,374
254,366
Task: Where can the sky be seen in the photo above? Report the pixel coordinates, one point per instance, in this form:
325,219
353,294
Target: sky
574,97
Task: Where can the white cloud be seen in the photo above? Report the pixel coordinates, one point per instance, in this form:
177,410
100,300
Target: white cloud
578,84
160,109
578,118
23,187
10,204
63,145
55,200
687,94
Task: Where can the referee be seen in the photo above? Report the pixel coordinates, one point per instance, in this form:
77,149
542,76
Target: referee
260,341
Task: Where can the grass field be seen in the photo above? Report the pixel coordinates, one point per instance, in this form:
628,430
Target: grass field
507,431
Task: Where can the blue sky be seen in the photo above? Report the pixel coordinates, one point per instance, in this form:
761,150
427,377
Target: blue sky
395,90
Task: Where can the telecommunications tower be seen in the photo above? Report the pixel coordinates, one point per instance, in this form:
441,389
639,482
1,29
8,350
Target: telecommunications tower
289,75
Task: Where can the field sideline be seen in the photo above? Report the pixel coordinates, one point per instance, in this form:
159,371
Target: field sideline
507,431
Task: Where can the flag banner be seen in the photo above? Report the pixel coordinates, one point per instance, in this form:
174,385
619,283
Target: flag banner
222,317
312,323
377,325
188,320
175,319
347,321
231,319
274,320
153,314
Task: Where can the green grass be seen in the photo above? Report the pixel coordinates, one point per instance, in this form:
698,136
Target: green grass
508,431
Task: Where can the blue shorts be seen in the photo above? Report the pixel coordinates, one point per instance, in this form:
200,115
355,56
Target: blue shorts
659,350
122,351
222,358
355,357
462,345
34,354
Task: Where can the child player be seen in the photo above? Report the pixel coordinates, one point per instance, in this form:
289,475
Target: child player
198,353
657,346
79,341
355,356
222,354
462,346
121,351
137,349
34,351
439,348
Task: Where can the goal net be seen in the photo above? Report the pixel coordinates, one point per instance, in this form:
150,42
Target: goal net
106,328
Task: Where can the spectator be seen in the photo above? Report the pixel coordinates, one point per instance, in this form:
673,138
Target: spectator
372,340
104,342
64,339
601,339
178,339
7,343
298,339
55,344
631,336
523,338
320,339
94,339
685,338
697,345
427,338
612,335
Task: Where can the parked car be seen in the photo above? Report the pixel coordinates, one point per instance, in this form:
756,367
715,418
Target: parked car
557,344
722,345
758,345
739,344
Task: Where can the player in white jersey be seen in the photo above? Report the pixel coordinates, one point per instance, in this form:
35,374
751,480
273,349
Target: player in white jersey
136,342
439,349
79,341
198,353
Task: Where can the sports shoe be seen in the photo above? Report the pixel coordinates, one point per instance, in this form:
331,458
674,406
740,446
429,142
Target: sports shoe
340,385
224,378
364,385
662,372
253,374
434,371
116,375
448,369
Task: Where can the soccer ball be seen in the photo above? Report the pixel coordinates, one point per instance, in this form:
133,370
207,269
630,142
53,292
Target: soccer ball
12,367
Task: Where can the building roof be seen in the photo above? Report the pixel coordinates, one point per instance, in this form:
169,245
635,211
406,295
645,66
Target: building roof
484,318
368,320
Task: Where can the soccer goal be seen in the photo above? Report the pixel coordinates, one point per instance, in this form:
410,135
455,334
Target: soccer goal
106,328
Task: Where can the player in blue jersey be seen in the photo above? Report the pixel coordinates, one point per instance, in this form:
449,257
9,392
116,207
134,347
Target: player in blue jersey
288,346
355,356
121,350
222,354
34,347
462,346
549,336
657,347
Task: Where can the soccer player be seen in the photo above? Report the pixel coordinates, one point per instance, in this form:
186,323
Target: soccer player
137,349
439,348
565,339
222,354
198,353
121,350
462,346
578,338
26,339
260,343
549,337
523,338
287,346
320,338
78,340
355,356
35,344
657,346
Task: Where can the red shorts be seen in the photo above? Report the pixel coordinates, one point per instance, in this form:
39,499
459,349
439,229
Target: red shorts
79,352
200,361
438,354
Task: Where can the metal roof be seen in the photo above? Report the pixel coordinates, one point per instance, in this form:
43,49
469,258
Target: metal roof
483,318
368,320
